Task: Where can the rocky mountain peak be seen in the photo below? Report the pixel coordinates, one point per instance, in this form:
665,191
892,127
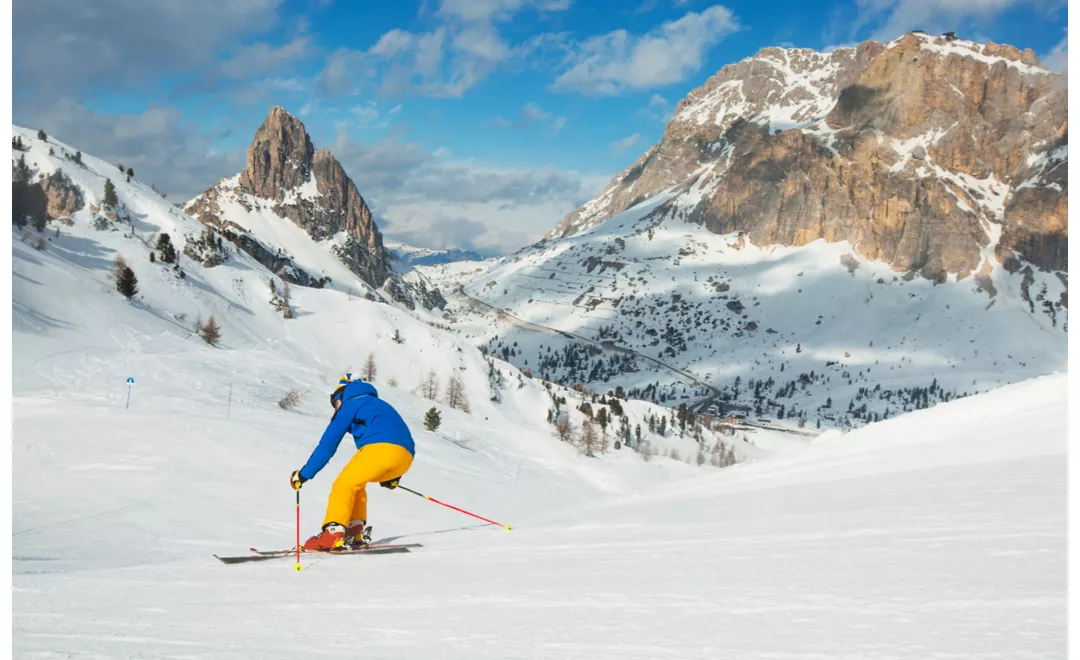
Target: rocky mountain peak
287,180
933,154
279,158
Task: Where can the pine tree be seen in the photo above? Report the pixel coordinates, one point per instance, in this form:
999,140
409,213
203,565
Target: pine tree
127,284
110,194
151,257
78,157
130,173
432,419
41,135
210,332
602,419
165,247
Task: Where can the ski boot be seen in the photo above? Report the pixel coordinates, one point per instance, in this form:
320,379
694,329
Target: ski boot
358,534
332,537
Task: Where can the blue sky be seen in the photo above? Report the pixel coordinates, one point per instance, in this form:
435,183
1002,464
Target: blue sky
465,123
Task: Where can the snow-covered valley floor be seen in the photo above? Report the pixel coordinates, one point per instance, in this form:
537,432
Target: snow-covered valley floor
940,534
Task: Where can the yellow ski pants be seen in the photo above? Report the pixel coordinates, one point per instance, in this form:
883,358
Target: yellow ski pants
372,463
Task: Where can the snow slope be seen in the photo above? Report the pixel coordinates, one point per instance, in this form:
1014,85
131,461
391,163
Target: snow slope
719,308
938,534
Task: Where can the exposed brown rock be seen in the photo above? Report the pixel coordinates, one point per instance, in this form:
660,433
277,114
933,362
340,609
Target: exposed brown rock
62,196
930,149
282,166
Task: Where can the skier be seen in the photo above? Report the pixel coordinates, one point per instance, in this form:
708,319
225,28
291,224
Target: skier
384,452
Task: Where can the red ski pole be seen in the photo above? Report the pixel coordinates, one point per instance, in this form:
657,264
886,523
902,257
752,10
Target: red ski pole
450,506
298,567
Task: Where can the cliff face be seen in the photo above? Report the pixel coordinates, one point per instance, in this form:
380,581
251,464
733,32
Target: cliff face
309,188
928,153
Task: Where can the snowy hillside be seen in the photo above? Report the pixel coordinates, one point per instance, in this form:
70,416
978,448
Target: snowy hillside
672,312
942,532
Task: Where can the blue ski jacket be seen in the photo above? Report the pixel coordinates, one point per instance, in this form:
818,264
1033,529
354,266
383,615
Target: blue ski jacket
368,418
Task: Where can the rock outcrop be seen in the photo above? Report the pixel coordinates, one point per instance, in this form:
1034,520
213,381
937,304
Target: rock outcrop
310,188
932,154
62,196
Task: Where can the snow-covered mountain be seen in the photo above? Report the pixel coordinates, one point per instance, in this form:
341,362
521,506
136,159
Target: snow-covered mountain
931,154
77,337
418,256
296,211
944,527
818,237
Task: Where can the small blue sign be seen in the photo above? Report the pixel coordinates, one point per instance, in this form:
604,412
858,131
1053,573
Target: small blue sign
130,381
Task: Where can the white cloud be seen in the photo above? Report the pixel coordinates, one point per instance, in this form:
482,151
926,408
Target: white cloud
658,108
617,61
496,10
119,44
621,146
306,109
531,116
426,199
1058,57
896,17
533,113
365,114
161,147
446,62
261,58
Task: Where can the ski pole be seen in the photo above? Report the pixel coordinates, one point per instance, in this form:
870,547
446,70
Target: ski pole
450,506
298,567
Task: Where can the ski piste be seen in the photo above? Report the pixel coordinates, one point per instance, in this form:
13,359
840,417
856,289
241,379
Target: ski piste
371,549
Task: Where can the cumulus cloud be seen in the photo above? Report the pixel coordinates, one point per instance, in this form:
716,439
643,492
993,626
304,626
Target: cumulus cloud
617,61
622,146
261,58
1058,57
464,49
161,147
62,47
421,198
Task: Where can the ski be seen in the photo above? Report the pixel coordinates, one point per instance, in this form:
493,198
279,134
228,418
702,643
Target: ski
373,549
292,551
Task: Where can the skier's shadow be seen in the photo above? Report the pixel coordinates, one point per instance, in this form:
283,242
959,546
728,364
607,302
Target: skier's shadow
391,539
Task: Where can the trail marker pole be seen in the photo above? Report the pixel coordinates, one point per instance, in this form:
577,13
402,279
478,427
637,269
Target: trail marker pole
130,382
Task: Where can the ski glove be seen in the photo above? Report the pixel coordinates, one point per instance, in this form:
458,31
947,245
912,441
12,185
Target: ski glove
392,484
296,480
